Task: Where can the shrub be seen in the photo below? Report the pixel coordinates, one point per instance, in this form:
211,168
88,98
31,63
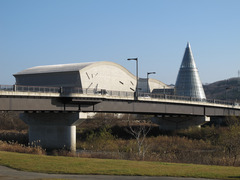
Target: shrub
101,140
15,136
229,142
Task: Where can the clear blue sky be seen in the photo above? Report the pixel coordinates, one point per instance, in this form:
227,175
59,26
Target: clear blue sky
45,32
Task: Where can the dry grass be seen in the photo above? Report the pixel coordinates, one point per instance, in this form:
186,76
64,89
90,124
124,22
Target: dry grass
20,148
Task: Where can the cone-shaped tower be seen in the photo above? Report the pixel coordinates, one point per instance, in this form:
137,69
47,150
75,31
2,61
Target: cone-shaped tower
188,81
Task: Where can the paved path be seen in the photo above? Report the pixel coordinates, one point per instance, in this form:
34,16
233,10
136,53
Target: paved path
11,174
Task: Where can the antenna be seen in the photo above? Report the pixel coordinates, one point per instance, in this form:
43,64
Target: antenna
238,80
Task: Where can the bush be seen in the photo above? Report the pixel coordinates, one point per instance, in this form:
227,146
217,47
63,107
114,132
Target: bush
229,142
101,140
14,136
179,149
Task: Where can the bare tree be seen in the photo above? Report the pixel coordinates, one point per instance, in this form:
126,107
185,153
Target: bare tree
11,121
139,132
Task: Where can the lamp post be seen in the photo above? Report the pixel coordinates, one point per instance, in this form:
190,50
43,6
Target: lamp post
148,79
136,91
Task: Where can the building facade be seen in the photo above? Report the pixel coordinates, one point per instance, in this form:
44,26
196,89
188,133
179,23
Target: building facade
92,75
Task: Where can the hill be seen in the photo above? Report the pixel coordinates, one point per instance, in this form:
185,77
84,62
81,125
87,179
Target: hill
225,89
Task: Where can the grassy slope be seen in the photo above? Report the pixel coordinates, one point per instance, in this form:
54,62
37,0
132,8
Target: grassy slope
70,165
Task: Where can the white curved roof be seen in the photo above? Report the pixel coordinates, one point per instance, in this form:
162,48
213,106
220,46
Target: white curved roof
55,68
68,68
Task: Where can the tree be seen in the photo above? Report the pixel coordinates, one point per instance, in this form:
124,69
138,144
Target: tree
229,140
139,132
11,121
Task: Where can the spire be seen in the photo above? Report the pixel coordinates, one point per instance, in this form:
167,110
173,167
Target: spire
188,60
188,81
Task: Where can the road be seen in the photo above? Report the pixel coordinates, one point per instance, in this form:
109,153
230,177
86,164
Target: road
12,174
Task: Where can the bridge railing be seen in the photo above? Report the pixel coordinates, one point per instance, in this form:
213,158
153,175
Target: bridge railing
18,88
37,89
103,92
6,87
185,98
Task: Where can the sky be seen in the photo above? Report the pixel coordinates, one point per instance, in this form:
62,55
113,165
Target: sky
48,32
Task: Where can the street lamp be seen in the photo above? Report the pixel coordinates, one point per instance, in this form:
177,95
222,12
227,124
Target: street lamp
136,91
148,79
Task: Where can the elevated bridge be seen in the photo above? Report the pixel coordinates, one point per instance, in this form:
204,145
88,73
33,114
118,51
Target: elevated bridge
52,113
32,98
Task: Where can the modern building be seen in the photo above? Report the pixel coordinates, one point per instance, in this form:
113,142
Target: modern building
151,85
92,75
188,82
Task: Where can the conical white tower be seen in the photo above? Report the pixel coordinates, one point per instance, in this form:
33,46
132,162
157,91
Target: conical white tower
188,81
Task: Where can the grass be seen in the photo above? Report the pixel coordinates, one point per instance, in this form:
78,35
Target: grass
73,165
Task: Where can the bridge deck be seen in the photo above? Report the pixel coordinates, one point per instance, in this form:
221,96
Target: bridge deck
53,99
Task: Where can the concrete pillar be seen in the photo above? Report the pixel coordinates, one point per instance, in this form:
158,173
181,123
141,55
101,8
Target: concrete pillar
53,130
180,122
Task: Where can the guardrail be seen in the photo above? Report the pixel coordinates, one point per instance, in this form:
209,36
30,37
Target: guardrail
18,88
103,92
186,98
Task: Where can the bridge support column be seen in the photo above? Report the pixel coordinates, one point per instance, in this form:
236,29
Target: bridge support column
53,130
173,123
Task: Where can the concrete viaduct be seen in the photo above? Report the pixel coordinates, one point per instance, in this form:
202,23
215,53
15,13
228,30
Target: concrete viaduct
52,114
